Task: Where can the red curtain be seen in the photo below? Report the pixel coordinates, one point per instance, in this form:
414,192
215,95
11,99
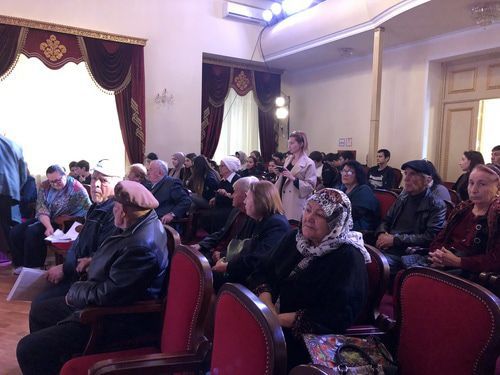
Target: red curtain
9,36
116,67
216,81
119,67
215,85
267,88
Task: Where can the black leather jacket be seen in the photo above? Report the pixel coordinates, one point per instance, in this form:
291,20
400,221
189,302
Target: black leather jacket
129,266
428,221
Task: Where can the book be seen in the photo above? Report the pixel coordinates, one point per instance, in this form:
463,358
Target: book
60,236
29,284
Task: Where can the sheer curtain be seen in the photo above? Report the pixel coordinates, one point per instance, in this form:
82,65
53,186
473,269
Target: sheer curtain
58,116
240,128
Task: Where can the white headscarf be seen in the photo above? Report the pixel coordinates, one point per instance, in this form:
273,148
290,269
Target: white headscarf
337,208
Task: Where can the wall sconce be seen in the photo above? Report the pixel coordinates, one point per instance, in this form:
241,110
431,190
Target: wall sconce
164,97
282,113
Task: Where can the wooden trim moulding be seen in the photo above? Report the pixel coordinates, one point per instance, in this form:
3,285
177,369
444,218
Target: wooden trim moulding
7,20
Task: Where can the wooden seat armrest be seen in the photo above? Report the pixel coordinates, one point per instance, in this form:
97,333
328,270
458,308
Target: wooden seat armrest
92,314
385,323
154,363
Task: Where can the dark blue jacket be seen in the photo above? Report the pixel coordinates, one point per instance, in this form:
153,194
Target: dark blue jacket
99,225
171,196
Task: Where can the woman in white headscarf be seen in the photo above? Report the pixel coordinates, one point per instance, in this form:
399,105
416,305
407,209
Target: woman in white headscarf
316,279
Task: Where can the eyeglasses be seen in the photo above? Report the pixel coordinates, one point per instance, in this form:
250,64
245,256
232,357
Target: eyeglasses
348,173
55,182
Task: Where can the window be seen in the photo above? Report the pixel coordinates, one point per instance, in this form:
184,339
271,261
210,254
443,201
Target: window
59,115
240,127
489,132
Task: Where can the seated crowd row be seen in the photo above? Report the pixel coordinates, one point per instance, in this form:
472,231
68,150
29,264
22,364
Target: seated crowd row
316,270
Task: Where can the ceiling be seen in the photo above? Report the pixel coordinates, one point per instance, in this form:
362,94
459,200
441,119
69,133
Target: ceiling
431,19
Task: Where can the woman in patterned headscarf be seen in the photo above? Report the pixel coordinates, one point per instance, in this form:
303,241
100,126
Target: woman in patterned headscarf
316,280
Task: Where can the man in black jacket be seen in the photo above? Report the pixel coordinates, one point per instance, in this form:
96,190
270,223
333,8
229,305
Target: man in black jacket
173,199
99,224
414,219
129,266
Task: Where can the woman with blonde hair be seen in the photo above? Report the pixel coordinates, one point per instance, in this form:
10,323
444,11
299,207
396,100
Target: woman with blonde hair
263,205
297,178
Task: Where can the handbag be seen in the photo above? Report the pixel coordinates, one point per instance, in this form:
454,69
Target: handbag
350,355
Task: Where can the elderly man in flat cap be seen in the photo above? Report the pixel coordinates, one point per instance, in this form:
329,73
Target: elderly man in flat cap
99,225
414,219
129,266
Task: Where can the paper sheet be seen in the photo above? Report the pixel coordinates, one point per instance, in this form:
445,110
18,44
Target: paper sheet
29,284
60,236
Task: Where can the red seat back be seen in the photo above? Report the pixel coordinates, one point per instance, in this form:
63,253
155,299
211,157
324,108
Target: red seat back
447,325
248,339
386,199
398,177
188,300
378,280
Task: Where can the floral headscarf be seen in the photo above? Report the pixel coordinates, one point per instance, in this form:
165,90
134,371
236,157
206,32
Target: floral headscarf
337,208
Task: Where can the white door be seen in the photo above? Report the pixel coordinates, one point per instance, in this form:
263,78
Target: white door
459,135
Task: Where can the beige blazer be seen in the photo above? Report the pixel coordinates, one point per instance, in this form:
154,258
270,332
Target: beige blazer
294,200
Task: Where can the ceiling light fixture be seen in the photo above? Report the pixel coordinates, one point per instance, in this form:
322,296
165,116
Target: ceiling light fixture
486,13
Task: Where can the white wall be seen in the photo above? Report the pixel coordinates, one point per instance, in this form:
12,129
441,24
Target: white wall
334,101
178,32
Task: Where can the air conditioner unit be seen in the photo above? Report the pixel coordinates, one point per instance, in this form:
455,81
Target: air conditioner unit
240,12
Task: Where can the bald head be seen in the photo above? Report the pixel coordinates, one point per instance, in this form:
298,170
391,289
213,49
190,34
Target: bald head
157,170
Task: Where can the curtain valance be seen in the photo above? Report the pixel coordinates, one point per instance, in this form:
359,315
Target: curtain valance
216,82
116,67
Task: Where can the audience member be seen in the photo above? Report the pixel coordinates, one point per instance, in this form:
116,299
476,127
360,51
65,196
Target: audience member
316,279
26,207
129,266
149,158
73,171
243,158
83,170
414,219
177,170
203,182
238,225
262,204
365,207
436,185
382,176
251,168
297,177
256,154
279,158
58,195
495,156
12,178
99,225
470,242
270,174
317,158
137,172
467,163
188,167
173,199
222,202
330,174
345,156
